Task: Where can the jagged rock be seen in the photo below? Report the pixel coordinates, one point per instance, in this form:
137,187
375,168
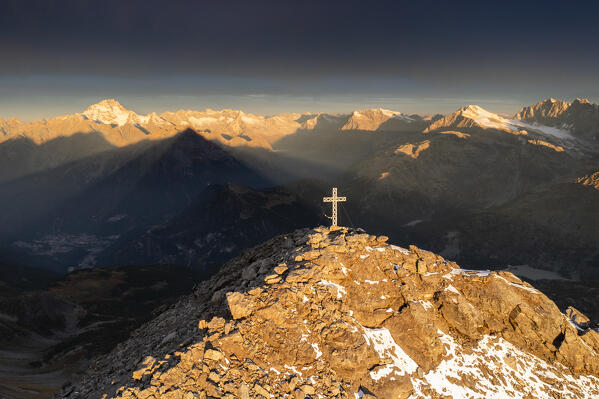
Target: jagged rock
239,305
280,269
343,314
213,355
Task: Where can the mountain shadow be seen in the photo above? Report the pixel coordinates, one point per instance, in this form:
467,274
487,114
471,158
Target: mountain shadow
29,198
220,223
21,156
148,186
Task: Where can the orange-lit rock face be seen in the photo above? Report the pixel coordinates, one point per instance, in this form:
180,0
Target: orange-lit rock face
120,126
340,313
557,148
591,180
413,150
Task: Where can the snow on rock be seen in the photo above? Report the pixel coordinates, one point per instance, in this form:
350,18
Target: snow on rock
385,346
425,304
316,350
451,288
400,249
404,332
340,289
112,112
489,120
396,115
468,272
522,286
496,369
548,130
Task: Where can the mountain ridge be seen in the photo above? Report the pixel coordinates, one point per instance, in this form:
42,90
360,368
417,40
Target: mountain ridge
580,116
390,173
339,313
121,126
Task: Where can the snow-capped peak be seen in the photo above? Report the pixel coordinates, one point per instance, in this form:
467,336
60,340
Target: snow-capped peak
490,120
395,114
388,112
110,112
483,117
475,110
581,101
375,112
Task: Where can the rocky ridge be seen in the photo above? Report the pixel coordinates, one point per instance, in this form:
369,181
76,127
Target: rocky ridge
341,313
580,117
119,126
382,119
472,116
591,180
538,131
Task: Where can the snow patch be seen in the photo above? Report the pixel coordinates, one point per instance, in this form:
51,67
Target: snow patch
497,369
292,368
396,115
250,120
468,272
547,130
344,269
529,289
400,249
425,304
204,120
318,352
340,289
451,288
385,346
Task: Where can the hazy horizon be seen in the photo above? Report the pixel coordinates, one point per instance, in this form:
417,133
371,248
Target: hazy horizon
269,57
47,107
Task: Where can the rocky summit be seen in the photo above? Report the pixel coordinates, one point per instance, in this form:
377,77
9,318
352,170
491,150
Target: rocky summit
339,313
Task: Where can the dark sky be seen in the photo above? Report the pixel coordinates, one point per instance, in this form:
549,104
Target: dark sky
273,56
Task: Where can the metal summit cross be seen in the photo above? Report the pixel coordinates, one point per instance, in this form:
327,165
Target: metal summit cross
334,199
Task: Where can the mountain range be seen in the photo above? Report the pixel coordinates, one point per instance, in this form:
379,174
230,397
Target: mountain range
120,126
99,187
109,206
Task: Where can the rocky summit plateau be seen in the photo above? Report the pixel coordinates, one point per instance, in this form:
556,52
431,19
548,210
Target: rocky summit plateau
339,313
